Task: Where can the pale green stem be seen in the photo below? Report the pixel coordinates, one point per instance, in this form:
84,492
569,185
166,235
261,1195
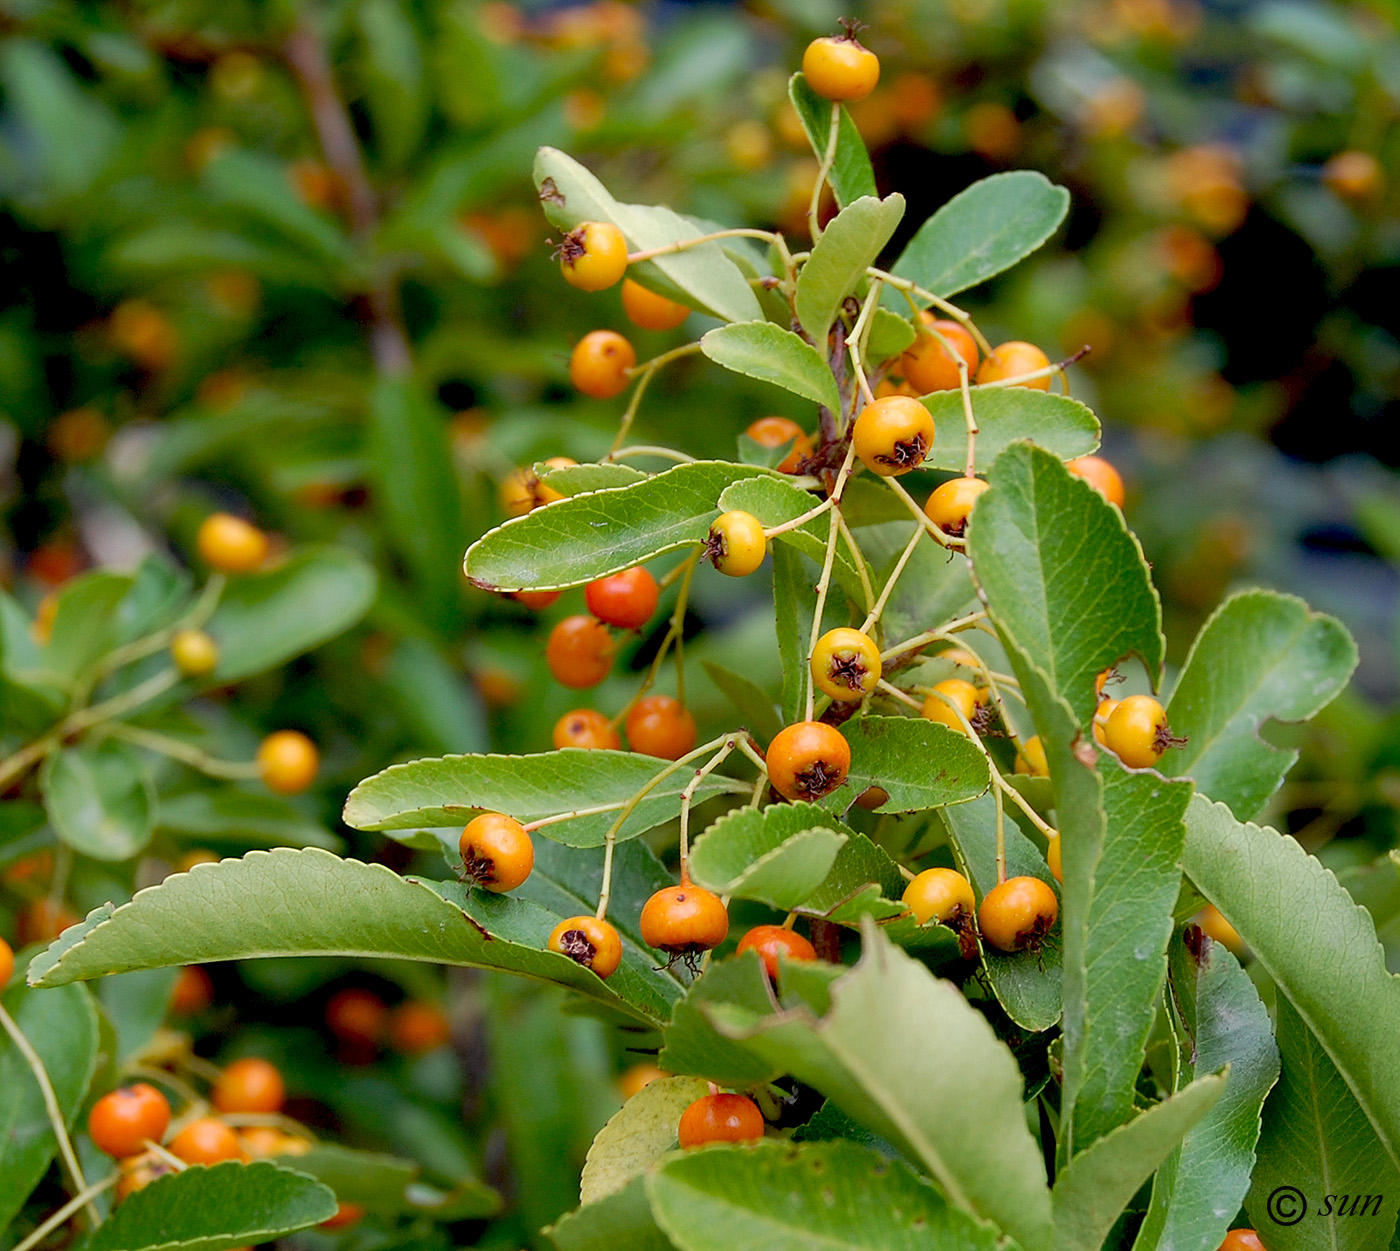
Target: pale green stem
681,245
828,160
81,1200
55,1114
184,752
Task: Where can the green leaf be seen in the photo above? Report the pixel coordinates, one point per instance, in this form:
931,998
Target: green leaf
1026,983
576,479
637,1136
286,903
905,1055
934,587
794,604
1057,423
889,335
777,855
61,1026
569,880
519,918
619,1222
215,1208
224,816
1332,970
1042,540
702,276
85,624
416,487
775,501
136,1005
1317,1143
848,247
919,764
99,798
374,1181
1136,880
589,536
266,618
550,1088
749,699
386,1183
1262,656
776,1196
1091,1193
1223,1024
983,230
435,699
256,188
391,65
851,176
453,789
864,880
759,349
692,1044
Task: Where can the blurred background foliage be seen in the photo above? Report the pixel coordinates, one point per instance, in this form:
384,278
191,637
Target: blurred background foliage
285,259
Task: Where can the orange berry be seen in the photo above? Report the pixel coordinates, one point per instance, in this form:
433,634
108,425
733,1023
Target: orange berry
1242,1240
230,544
417,1026
1136,731
1052,858
7,963
249,1085
684,920
963,695
121,1122
357,1016
288,761
1031,759
638,1078
206,1141
808,760
840,68
660,726
346,1214
1100,475
1017,915
593,256
951,503
579,652
193,991
195,653
929,366
650,311
497,853
845,664
590,942
586,727
1353,175
1011,360
534,600
139,1171
772,941
778,432
720,1118
1215,926
893,435
626,600
942,895
736,543
600,363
